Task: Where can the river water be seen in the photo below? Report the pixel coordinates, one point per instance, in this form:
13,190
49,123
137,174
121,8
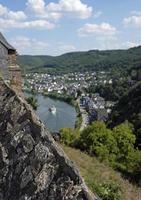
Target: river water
65,115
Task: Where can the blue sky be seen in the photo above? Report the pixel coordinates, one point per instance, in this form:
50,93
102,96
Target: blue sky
53,27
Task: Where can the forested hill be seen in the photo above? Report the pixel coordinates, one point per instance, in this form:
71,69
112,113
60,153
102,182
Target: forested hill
129,108
83,61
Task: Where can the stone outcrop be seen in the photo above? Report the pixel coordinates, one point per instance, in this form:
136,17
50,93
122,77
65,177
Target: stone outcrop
32,165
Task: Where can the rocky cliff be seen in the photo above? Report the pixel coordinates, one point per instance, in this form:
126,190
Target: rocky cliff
32,166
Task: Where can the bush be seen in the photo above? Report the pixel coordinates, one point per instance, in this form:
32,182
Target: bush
125,140
116,146
33,102
98,140
108,191
69,136
134,166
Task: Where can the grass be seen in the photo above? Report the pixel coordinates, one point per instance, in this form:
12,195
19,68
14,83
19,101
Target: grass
95,172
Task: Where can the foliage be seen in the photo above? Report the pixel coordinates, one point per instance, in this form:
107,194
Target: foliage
125,140
129,108
108,191
68,99
134,167
119,60
69,136
33,102
113,91
98,140
97,173
116,147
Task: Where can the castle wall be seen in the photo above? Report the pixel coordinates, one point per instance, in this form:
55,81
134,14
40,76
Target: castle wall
12,59
15,78
4,62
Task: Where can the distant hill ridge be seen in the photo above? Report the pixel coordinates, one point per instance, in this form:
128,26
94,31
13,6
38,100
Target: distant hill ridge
83,61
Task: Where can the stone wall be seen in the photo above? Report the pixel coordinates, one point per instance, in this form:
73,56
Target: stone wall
15,78
12,59
4,61
32,165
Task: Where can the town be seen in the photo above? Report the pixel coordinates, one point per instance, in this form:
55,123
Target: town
92,106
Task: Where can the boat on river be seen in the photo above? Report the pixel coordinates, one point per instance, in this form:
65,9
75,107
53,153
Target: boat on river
52,109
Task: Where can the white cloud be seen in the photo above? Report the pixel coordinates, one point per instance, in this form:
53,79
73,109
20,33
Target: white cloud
66,48
40,15
98,30
134,21
39,9
36,6
3,10
19,15
104,34
35,24
134,12
5,13
18,19
129,44
98,14
117,44
70,7
108,43
33,46
25,45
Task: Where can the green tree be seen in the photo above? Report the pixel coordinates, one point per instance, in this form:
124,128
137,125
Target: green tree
33,102
98,140
69,136
125,140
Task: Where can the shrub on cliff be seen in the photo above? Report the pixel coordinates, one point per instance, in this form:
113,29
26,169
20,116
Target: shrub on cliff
125,141
108,191
69,136
33,102
115,147
98,140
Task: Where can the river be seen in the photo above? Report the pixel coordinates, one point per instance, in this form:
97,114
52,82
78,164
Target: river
65,115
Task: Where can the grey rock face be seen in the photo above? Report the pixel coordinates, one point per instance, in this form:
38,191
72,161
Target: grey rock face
32,166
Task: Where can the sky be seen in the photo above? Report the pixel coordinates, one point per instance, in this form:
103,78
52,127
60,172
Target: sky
54,27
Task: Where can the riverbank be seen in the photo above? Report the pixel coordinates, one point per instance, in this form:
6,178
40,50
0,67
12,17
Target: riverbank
84,116
78,122
66,98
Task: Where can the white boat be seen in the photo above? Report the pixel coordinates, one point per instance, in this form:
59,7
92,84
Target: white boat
52,109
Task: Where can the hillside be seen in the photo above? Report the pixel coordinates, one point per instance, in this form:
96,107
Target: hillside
129,108
96,173
82,61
